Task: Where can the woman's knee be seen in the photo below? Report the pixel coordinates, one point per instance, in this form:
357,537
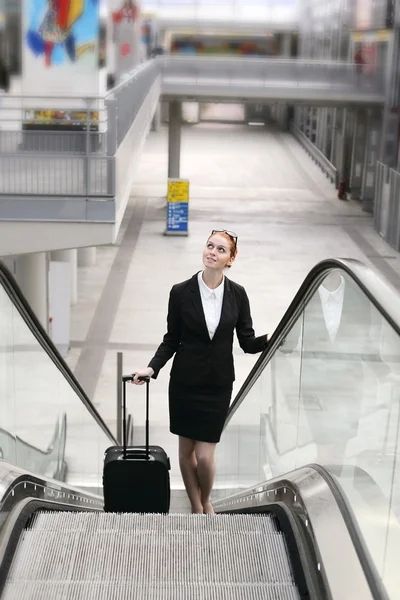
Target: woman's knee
205,454
186,448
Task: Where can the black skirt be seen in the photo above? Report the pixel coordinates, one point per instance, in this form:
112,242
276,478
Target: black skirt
198,413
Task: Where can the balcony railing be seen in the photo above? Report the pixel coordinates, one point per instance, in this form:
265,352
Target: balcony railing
263,74
83,147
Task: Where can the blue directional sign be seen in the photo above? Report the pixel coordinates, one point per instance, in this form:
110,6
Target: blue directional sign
177,207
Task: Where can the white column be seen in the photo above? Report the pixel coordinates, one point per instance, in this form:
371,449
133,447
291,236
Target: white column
86,257
285,53
70,256
174,139
287,45
74,275
32,277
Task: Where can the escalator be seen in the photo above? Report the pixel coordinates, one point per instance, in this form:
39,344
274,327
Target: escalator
188,556
307,490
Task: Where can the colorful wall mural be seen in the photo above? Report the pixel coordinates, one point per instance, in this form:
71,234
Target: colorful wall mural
267,46
62,30
60,50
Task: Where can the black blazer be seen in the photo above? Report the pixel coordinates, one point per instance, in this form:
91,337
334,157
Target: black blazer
199,360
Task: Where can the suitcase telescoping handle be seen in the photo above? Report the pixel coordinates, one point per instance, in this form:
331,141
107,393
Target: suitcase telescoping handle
125,379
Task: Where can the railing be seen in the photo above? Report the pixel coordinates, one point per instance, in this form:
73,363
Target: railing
127,98
54,146
88,147
327,167
262,72
387,209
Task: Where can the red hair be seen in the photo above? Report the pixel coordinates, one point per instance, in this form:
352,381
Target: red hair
232,245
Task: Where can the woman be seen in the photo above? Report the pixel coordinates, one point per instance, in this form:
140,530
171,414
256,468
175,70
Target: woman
202,315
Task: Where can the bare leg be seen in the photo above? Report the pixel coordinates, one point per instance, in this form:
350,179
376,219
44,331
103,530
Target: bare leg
206,468
188,465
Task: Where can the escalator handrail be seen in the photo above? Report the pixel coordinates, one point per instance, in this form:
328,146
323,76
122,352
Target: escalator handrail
378,290
16,296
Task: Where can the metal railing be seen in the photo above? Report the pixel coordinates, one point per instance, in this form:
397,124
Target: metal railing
55,146
322,161
85,147
124,101
387,206
267,72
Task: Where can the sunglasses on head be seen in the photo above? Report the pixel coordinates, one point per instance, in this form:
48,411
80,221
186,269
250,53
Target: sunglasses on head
231,234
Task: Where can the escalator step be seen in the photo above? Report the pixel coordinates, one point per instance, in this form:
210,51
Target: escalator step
102,555
131,591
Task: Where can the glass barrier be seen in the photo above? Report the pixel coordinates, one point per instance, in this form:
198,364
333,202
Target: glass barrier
331,396
44,426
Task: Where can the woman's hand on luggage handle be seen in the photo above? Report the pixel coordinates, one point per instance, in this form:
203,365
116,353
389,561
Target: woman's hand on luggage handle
148,372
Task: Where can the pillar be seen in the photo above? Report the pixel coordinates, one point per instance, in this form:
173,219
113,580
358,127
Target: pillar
322,124
32,277
358,153
127,47
283,109
70,256
174,139
286,49
389,143
343,135
372,147
386,207
332,153
86,257
164,108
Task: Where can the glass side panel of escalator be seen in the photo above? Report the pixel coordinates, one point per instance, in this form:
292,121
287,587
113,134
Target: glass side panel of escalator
330,395
44,426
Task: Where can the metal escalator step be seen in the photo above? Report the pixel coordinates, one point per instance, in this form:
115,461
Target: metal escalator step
131,591
97,520
71,554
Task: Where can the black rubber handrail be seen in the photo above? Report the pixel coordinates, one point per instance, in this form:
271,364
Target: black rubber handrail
16,296
377,289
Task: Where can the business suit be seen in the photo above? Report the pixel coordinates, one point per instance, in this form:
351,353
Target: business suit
203,373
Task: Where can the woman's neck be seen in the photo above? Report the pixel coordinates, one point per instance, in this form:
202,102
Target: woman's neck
212,279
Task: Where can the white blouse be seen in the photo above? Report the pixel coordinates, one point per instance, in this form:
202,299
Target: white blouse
212,304
332,307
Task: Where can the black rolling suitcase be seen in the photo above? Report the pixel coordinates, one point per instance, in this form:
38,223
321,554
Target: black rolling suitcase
136,478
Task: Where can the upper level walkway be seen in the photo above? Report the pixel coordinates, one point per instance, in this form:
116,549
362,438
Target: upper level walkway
323,83
57,184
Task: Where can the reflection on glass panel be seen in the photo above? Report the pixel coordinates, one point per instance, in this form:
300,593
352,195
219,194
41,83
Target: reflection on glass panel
391,565
330,395
7,424
282,404
346,401
45,427
260,441
336,337
85,441
238,453
36,399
